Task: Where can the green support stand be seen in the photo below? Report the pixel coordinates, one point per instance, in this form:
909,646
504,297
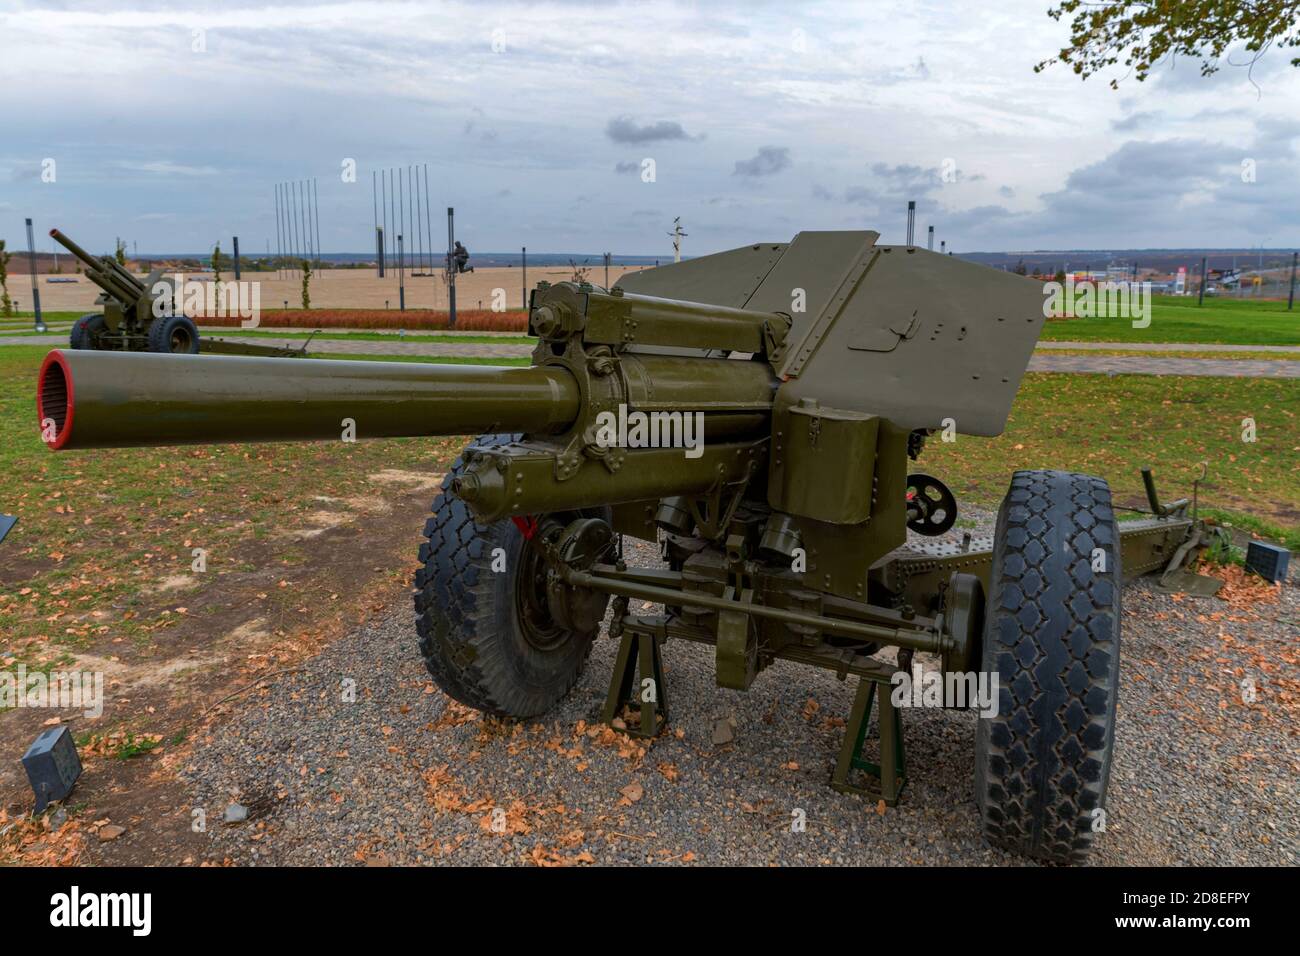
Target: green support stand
638,653
889,775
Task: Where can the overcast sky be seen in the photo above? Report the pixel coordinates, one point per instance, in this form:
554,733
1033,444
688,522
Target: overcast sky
762,119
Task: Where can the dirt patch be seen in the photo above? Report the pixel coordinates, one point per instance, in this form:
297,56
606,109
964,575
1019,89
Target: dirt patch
415,480
212,639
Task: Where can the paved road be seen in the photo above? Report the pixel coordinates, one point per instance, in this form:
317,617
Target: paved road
1041,362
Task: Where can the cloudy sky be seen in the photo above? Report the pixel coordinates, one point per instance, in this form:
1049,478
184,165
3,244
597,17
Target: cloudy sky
169,124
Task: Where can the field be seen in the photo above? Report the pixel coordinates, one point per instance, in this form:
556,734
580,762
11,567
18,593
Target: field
350,303
1224,321
342,288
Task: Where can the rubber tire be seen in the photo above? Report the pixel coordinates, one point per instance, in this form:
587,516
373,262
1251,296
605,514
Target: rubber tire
1042,765
160,334
467,620
83,330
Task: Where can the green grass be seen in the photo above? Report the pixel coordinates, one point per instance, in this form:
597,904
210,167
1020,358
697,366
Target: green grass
1114,426
466,339
133,746
1179,319
21,323
425,359
1289,538
97,529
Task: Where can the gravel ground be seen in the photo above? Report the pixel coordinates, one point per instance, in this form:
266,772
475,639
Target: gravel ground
405,776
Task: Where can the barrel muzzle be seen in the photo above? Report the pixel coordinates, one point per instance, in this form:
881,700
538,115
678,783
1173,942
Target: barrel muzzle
92,399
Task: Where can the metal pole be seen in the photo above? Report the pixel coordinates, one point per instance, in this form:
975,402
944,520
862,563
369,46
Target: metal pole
293,228
234,241
401,276
1290,299
428,219
306,228
911,221
392,200
315,202
451,266
383,206
410,189
524,257
36,292
607,271
929,242
306,220
277,231
1200,299
419,225
288,242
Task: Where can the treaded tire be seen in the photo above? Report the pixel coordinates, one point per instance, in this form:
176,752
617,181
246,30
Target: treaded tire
468,618
84,329
1051,633
174,334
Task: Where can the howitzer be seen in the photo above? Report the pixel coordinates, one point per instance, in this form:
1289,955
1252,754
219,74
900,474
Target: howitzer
144,315
754,412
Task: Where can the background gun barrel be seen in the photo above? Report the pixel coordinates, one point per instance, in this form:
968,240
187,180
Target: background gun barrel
104,271
75,249
123,399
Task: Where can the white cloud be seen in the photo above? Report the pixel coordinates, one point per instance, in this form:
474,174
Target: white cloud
517,107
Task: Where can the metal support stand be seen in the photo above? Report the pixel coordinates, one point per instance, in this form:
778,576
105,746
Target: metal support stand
890,774
638,652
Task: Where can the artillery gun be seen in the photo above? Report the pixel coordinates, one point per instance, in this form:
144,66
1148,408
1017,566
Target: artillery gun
144,315
754,413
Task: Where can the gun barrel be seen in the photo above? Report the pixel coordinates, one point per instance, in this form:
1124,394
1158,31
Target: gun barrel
114,399
104,272
75,249
92,399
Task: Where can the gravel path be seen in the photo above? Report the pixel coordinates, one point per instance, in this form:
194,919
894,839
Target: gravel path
405,776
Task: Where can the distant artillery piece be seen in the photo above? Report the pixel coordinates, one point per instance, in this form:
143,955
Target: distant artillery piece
133,321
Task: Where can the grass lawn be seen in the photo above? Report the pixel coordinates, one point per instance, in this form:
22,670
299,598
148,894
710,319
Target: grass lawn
1114,426
445,337
1181,353
1179,319
97,529
426,359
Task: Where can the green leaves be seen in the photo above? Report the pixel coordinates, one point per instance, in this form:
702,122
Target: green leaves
1147,32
